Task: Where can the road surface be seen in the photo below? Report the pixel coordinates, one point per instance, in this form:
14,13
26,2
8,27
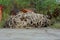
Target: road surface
30,34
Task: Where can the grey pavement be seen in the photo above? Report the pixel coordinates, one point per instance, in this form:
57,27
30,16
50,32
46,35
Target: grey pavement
30,34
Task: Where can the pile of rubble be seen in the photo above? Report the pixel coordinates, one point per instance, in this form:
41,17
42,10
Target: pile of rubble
27,20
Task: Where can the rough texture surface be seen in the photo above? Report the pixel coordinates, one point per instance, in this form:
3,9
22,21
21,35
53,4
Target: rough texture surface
27,20
29,34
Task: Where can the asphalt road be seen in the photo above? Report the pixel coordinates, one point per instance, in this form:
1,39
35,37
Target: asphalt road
30,34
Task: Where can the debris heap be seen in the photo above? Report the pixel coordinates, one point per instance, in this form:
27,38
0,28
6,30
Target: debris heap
27,20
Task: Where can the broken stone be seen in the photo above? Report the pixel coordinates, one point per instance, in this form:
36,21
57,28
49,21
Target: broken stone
29,19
